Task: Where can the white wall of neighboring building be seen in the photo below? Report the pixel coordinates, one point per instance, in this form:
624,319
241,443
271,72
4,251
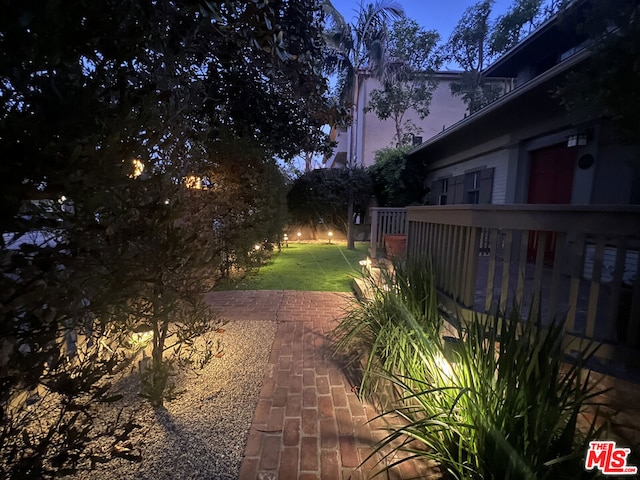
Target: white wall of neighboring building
375,134
341,150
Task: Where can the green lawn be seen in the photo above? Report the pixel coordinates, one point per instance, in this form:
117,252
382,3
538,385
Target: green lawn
306,266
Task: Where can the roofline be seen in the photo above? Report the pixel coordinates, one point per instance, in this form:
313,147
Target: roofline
437,73
529,38
520,45
530,85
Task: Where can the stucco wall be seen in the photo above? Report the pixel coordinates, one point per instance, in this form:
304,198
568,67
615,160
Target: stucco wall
375,134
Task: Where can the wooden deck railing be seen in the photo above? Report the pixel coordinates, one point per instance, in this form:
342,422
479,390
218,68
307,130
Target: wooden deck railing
386,221
556,261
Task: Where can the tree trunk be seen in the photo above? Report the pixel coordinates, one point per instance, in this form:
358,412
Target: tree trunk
350,233
308,157
399,135
351,162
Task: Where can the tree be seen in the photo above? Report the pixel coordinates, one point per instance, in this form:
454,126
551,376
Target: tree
321,195
250,203
409,80
521,18
607,81
90,247
353,49
470,46
396,182
476,41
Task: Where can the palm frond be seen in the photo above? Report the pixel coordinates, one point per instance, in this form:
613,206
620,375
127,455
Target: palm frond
360,45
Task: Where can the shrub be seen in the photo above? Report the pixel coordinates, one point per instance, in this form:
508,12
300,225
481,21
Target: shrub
496,401
375,336
397,182
501,404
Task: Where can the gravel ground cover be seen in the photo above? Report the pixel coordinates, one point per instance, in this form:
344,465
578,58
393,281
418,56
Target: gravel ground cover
201,434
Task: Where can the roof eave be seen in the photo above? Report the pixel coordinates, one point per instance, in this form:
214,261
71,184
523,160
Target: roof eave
500,102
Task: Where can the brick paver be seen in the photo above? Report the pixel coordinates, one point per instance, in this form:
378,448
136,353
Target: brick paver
309,423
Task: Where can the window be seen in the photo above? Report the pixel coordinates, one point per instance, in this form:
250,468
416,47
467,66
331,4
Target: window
444,190
472,187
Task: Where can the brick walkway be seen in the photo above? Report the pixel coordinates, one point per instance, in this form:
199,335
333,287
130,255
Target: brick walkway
308,423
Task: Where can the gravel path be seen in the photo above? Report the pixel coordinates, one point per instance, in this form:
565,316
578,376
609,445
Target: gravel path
202,433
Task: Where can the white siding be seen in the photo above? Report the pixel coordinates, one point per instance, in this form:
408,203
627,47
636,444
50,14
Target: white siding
498,160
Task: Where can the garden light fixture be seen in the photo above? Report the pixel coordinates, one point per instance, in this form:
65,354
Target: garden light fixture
141,339
138,168
444,366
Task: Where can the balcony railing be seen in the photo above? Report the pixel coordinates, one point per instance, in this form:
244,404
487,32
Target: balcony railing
579,263
386,221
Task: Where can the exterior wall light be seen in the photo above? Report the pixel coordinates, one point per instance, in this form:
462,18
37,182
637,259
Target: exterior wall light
577,140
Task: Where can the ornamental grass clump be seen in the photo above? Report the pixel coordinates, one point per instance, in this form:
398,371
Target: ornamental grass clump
376,335
496,400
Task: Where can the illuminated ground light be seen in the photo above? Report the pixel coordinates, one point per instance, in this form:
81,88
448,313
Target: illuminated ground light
141,339
138,168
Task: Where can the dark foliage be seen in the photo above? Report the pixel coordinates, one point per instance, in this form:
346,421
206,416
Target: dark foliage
91,248
396,181
607,82
322,196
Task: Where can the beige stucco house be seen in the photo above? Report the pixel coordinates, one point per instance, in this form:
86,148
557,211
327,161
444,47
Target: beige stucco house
369,134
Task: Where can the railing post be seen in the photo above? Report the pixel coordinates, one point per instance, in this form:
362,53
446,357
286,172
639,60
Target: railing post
373,248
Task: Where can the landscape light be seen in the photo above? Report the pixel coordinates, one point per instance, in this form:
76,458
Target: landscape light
444,366
330,235
451,347
193,182
138,168
364,266
577,140
140,339
299,235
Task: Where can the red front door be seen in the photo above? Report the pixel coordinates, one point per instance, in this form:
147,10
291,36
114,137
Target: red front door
550,182
551,175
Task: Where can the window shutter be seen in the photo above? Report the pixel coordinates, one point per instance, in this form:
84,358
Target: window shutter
486,185
436,190
456,188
